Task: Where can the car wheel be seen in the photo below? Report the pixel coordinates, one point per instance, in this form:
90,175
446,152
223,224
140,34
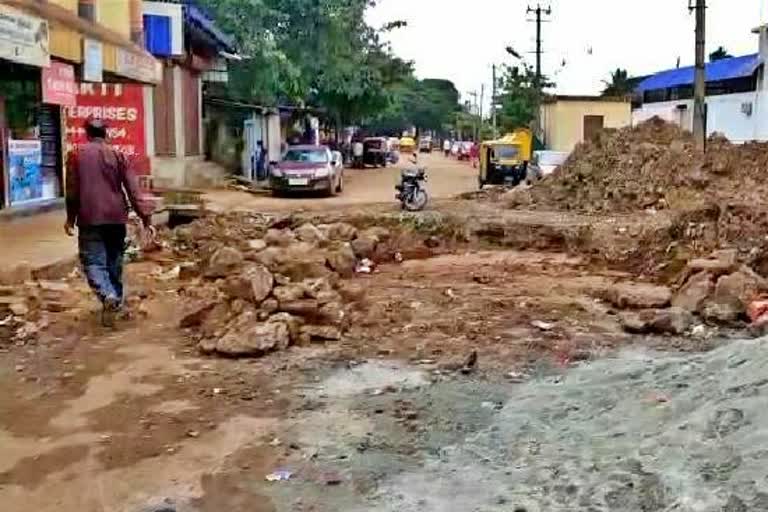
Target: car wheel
340,185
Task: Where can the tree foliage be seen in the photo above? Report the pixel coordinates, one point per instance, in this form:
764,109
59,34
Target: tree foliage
719,54
429,104
619,83
320,53
519,97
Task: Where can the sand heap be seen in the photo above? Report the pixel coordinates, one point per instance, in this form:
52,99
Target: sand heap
655,166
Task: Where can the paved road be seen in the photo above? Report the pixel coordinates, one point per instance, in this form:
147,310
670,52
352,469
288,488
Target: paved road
447,177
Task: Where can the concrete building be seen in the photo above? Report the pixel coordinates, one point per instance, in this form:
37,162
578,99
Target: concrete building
568,120
57,59
192,49
736,102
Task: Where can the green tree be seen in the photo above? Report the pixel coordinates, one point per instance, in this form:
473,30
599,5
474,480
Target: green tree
519,97
619,84
719,54
428,104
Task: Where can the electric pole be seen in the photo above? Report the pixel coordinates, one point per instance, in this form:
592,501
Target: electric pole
493,101
539,11
700,79
480,116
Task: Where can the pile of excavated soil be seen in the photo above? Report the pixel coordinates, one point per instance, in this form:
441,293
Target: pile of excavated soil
654,166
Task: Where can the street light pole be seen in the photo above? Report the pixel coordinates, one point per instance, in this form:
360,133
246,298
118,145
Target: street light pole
700,80
493,101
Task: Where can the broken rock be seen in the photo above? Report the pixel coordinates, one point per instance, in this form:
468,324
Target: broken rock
289,292
279,237
638,296
339,231
254,340
718,263
342,259
657,321
321,332
364,246
293,323
310,233
732,294
196,314
694,293
301,307
224,261
16,275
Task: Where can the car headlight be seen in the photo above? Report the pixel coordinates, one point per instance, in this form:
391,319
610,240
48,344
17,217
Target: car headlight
322,173
276,172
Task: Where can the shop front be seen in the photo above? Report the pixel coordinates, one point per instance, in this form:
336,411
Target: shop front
32,90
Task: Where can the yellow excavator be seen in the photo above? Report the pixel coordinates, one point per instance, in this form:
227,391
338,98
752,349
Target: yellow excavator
505,160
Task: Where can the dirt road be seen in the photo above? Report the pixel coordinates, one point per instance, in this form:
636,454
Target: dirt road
447,178
471,376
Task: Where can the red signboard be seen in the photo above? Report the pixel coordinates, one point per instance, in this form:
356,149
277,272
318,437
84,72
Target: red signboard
59,86
122,107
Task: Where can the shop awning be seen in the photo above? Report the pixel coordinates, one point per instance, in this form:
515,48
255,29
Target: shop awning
132,61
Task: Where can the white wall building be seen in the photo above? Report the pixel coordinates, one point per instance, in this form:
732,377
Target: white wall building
737,96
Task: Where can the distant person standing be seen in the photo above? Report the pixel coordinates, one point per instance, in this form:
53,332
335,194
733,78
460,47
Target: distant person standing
261,161
98,182
357,153
447,147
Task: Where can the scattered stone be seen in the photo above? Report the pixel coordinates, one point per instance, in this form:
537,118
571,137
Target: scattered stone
432,242
732,294
20,368
311,234
279,237
718,263
196,314
339,231
300,307
16,275
188,270
289,293
19,309
321,332
257,245
293,323
254,340
254,284
657,321
694,293
631,295
342,259
269,306
193,433
223,262
364,246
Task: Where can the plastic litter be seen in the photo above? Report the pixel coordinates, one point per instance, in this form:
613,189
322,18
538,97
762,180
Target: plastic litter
279,476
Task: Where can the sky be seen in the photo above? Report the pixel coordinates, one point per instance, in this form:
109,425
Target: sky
461,39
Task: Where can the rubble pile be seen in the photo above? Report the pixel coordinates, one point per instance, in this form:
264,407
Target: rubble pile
653,166
716,290
25,306
282,287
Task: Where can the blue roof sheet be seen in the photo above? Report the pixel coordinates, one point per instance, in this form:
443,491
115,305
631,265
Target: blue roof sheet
193,14
724,69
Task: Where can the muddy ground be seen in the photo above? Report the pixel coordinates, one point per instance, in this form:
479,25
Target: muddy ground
562,411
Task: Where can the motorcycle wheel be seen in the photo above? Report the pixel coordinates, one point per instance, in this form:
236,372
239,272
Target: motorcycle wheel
416,201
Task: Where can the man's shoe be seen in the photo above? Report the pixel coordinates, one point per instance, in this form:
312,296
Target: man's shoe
108,314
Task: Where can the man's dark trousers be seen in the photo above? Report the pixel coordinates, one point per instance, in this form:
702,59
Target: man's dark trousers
102,248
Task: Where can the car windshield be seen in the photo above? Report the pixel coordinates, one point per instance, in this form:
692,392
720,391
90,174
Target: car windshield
315,156
507,152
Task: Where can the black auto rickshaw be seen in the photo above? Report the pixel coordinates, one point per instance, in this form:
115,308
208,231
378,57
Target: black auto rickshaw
375,151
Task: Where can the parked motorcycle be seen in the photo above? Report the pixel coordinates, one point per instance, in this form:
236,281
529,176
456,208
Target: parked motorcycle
411,191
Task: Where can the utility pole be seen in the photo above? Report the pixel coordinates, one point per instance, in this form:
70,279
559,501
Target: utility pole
539,11
700,79
493,101
480,116
474,107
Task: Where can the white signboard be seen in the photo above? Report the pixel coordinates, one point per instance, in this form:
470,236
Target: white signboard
93,61
23,38
141,67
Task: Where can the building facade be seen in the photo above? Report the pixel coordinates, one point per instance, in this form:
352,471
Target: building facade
569,120
736,101
53,54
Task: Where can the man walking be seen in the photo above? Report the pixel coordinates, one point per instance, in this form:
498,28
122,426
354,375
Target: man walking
98,181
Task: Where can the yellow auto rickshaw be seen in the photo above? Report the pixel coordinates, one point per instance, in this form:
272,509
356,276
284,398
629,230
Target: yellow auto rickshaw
505,160
407,145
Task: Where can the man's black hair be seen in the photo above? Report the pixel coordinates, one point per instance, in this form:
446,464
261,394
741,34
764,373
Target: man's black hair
95,129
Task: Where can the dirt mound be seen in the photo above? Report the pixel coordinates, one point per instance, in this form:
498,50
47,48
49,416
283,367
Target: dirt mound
654,166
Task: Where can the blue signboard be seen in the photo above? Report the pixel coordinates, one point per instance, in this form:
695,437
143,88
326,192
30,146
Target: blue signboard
26,177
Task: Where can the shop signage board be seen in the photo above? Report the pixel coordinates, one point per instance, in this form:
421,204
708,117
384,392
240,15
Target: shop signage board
26,176
23,38
121,106
141,67
93,61
59,86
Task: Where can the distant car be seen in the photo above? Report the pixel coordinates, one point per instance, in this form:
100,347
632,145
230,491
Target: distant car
465,150
308,168
544,163
425,145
